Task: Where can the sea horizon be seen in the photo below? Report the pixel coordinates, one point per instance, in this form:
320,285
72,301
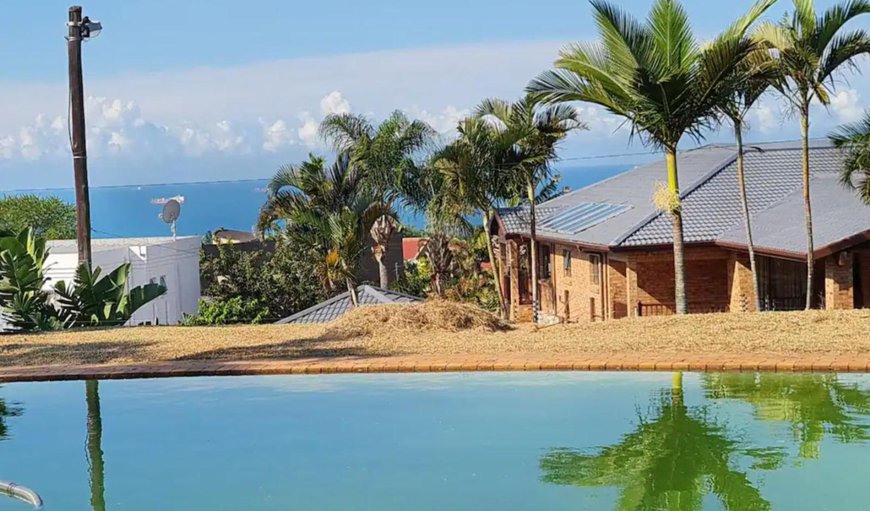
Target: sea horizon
119,211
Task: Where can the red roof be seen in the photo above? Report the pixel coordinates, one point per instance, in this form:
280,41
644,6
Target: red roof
411,248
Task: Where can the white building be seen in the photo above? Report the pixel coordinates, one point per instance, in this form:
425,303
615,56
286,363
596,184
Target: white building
173,263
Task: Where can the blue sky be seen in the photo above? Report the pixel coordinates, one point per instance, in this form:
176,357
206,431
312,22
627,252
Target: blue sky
200,90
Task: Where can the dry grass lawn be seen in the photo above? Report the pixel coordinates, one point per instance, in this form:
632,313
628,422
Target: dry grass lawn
442,328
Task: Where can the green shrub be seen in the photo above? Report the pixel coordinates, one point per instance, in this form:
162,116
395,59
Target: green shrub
281,280
416,280
228,312
49,217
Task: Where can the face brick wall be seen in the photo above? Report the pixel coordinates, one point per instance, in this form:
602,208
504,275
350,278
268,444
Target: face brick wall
707,283
580,290
838,281
617,286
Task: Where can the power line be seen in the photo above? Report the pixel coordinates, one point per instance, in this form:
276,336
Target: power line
604,156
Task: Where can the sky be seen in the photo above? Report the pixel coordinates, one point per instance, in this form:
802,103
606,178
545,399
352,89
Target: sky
218,90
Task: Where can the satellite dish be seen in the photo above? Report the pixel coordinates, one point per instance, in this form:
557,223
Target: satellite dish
170,214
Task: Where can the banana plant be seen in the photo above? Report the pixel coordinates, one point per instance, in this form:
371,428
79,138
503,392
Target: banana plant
22,282
96,300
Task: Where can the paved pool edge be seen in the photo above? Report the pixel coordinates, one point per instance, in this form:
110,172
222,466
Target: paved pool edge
432,363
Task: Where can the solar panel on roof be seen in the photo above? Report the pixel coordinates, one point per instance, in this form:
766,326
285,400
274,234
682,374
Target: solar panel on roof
582,216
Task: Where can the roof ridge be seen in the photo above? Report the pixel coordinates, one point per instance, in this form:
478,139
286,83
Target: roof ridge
316,307
683,194
381,290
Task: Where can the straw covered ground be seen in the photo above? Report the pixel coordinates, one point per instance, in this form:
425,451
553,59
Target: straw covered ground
435,328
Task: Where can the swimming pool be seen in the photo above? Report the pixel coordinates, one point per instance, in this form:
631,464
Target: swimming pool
518,441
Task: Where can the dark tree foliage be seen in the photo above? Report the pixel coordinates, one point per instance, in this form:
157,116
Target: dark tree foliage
280,281
49,217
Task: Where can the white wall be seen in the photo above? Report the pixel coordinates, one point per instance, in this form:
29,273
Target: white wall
175,262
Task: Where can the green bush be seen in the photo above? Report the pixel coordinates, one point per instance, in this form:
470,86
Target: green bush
281,280
416,280
228,312
48,217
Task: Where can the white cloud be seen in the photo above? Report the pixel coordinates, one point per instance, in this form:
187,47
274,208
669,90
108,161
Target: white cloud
277,136
601,124
334,104
764,117
846,105
309,132
445,121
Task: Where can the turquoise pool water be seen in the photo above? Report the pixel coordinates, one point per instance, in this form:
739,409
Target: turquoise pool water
542,441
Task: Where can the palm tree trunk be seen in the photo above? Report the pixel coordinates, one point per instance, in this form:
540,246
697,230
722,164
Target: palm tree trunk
808,211
677,220
383,272
747,222
533,250
494,265
95,447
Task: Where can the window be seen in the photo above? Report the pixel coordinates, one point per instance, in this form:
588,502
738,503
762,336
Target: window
595,268
566,262
545,262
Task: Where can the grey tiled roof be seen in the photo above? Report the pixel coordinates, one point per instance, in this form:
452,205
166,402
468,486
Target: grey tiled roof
632,188
336,306
516,219
714,206
711,203
837,215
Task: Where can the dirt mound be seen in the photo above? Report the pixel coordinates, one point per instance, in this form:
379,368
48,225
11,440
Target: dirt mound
435,315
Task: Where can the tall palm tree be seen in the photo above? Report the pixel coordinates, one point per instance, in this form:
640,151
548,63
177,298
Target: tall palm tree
854,139
657,76
670,461
475,167
327,212
384,155
809,49
749,83
536,130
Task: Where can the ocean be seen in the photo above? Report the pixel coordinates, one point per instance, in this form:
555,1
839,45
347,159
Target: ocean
128,211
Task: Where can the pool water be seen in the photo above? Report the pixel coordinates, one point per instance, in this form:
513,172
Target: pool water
518,441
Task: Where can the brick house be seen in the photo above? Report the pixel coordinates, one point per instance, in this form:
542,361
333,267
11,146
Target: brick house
606,251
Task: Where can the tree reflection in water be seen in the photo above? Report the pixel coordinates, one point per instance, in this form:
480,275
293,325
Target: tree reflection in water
96,471
813,404
7,410
671,461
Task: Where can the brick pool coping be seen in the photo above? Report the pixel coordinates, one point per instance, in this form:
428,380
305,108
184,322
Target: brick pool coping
444,363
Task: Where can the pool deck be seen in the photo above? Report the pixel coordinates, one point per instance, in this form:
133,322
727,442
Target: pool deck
444,363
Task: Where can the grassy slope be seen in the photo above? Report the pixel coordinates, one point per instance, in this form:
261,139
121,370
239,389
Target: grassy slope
379,331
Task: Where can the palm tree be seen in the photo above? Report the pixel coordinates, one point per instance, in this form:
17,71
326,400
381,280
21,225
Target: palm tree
384,155
808,50
670,461
474,166
657,76
750,82
430,191
854,139
326,212
536,131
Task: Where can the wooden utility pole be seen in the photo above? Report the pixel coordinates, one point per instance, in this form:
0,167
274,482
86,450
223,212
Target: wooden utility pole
79,146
